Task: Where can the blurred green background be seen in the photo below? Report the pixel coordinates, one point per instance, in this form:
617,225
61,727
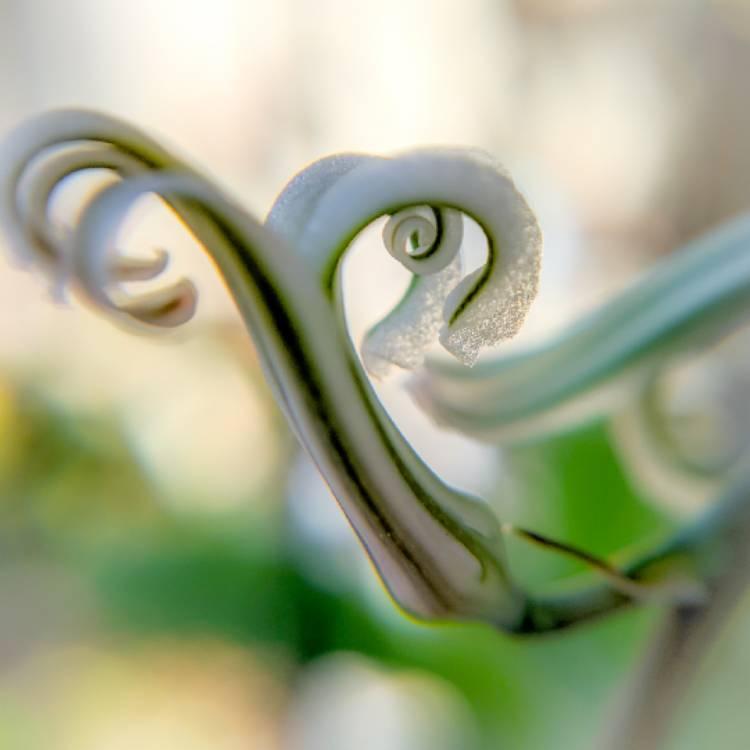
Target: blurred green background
173,574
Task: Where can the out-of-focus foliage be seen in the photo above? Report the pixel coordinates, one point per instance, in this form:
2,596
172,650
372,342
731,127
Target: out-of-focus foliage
145,576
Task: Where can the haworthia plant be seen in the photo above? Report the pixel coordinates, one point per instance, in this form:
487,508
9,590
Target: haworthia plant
438,551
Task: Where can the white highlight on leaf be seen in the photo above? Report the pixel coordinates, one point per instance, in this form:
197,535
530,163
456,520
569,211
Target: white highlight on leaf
296,202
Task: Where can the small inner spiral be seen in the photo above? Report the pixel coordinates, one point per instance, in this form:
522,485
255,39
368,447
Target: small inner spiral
424,239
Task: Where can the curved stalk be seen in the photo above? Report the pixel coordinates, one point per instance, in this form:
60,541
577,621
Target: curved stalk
438,551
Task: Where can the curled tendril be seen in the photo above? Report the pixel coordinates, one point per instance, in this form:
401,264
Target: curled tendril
439,552
402,514
38,157
488,305
424,192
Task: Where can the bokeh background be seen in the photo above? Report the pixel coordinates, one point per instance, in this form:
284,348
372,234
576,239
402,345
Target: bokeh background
173,574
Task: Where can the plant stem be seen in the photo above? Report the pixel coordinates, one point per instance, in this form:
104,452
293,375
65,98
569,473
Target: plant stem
643,720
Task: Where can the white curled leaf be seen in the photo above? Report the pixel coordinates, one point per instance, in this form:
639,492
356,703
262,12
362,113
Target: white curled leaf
401,338
435,548
492,303
39,156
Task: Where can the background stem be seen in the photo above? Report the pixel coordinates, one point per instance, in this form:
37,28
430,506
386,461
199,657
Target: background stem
644,718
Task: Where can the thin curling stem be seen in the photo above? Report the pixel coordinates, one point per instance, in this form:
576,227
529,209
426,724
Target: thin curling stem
439,551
